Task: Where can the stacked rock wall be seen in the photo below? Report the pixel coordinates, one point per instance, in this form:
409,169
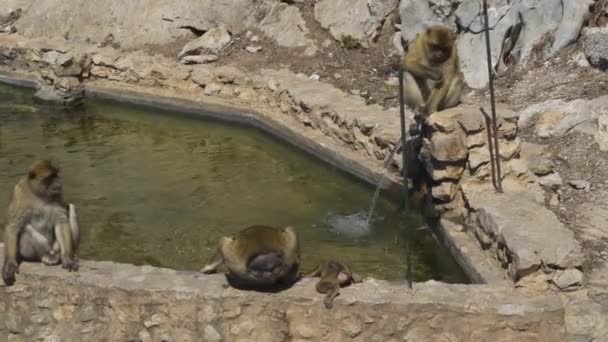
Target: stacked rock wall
514,228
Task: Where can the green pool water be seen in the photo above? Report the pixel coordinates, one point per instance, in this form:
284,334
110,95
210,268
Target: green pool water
157,188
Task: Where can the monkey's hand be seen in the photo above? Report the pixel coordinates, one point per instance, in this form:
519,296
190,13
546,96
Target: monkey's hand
435,75
69,263
8,272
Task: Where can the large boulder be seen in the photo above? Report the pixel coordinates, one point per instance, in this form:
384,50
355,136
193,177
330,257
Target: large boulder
595,44
541,22
134,23
358,19
284,24
212,41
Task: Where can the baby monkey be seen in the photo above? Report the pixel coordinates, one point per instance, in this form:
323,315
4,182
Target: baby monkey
333,275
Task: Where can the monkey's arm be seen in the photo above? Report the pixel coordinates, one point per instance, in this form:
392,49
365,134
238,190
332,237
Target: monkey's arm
421,70
213,264
440,90
11,243
63,234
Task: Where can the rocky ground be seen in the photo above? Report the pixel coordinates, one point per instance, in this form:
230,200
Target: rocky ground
582,199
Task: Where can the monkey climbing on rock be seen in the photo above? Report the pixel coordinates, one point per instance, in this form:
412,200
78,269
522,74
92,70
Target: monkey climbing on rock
259,256
41,226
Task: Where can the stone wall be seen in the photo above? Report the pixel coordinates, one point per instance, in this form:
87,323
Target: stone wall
105,301
514,228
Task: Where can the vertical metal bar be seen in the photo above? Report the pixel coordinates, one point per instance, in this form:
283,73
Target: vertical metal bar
406,206
492,99
490,146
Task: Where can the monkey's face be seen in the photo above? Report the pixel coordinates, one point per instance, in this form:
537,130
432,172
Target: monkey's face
440,42
54,185
45,181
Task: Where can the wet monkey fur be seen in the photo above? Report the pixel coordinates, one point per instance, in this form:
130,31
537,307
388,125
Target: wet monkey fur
333,275
41,226
432,77
259,256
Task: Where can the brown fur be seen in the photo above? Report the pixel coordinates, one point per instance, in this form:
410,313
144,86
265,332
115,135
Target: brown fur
259,256
432,77
333,275
39,223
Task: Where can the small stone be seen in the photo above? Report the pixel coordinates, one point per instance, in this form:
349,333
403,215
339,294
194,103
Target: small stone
201,75
580,185
303,330
314,77
542,166
554,201
351,329
88,314
568,279
199,59
212,88
253,49
547,123
248,34
551,181
213,41
50,57
581,60
535,283
144,336
273,85
326,43
337,76
232,312
518,167
155,320
448,147
212,335
255,39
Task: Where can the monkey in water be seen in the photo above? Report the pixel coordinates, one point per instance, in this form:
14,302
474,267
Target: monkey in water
333,275
41,226
432,77
259,256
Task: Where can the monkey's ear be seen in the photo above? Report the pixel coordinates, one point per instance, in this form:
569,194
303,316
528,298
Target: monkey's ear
31,174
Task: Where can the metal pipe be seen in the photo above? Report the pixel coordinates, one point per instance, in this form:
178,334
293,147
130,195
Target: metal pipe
406,206
492,99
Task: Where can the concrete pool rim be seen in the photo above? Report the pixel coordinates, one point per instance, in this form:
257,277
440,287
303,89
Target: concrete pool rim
471,259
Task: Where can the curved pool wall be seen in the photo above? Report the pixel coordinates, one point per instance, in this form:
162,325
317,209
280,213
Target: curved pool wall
245,118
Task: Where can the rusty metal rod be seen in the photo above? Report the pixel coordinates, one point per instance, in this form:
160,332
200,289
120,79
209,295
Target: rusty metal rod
498,184
406,204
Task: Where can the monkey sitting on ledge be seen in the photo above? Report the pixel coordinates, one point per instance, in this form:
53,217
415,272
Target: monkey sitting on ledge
41,226
432,79
259,257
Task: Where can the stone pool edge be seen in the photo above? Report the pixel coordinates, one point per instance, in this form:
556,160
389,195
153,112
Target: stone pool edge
106,300
473,261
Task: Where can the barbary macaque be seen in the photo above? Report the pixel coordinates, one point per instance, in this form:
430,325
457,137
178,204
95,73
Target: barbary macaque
41,226
259,256
432,77
333,275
